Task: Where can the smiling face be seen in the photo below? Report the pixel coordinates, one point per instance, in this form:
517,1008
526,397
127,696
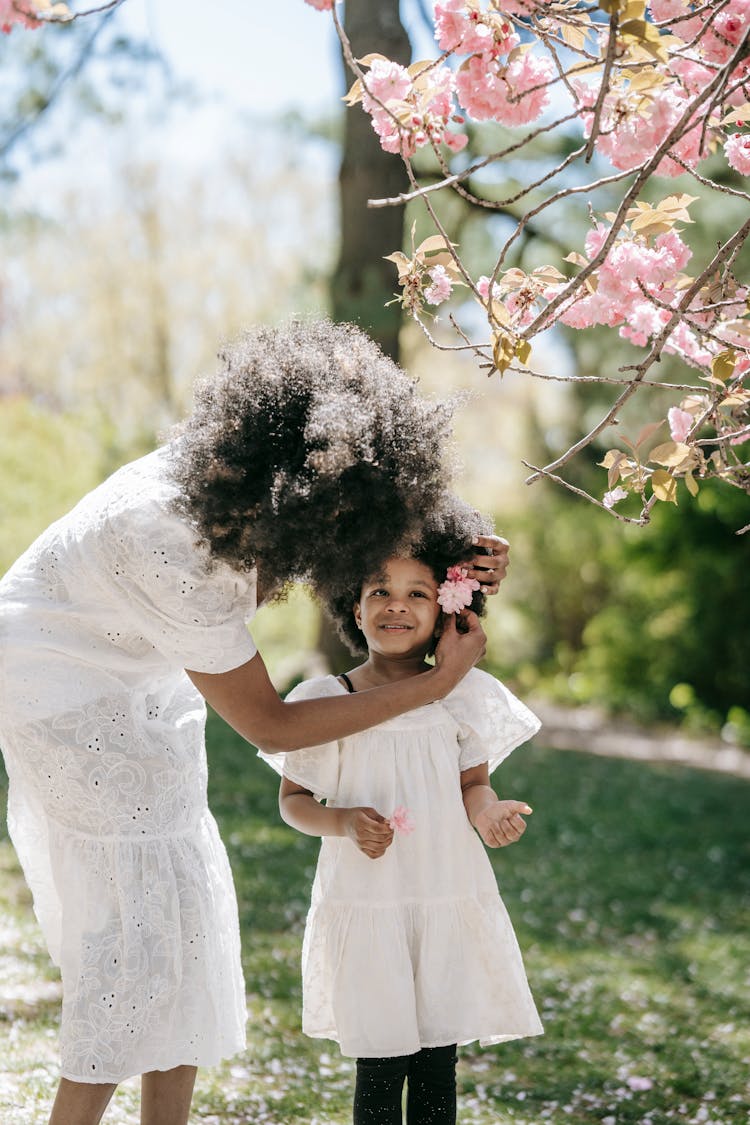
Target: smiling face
398,610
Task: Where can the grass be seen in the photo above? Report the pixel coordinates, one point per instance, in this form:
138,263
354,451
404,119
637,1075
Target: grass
630,894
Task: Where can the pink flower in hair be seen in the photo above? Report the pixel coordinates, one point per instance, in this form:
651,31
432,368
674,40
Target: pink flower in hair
457,590
401,821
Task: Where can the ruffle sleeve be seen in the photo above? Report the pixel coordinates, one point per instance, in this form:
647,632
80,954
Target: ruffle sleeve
491,720
316,767
192,610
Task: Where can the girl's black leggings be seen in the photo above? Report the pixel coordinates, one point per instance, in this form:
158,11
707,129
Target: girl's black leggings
431,1088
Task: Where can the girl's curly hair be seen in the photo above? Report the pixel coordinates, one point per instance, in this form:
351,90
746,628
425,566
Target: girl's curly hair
445,540
309,451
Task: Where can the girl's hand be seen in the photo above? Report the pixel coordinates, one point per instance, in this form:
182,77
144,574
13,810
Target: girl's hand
370,831
489,570
460,645
501,823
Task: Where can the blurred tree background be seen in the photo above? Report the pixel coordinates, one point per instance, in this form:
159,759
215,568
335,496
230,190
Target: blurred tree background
126,264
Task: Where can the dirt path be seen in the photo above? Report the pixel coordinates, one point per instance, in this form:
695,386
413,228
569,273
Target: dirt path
586,728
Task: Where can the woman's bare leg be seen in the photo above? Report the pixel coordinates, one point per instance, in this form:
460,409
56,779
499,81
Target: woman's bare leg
166,1095
81,1103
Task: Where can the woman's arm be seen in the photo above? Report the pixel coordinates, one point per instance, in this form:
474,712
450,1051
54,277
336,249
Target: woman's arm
498,822
366,827
247,699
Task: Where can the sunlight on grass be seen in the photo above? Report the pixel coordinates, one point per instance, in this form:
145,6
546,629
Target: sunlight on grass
630,896
297,616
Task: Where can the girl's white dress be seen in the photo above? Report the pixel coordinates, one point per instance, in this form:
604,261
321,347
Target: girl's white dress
103,737
414,949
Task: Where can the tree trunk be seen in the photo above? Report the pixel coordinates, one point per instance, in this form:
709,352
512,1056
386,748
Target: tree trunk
363,282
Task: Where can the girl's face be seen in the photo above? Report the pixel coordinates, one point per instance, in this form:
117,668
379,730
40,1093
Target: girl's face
398,610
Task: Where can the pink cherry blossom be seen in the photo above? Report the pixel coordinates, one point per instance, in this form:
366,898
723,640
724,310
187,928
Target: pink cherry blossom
469,31
513,94
450,24
595,239
386,81
483,289
17,12
737,152
683,341
321,5
630,272
644,320
725,31
441,287
675,10
520,7
614,497
672,254
663,10
401,821
692,73
456,592
410,113
740,76
455,141
680,423
632,128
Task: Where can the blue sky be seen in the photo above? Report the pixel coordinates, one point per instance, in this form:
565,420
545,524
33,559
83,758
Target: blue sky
259,55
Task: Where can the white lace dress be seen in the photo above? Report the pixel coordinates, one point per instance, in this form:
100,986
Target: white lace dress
414,949
103,737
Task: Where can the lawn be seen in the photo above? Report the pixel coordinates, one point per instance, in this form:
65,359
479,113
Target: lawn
630,894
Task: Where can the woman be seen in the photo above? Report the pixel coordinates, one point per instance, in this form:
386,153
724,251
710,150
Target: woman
128,612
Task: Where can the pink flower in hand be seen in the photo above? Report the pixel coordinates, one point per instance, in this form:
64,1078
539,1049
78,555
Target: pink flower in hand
401,821
457,590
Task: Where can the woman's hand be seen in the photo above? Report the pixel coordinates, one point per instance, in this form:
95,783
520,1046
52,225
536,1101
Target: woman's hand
459,647
490,569
501,823
370,831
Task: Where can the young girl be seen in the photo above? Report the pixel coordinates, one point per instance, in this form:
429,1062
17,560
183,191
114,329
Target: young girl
408,949
307,450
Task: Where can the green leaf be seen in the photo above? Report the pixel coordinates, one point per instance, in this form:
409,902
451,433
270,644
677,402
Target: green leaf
523,350
692,484
671,454
723,364
664,486
431,244
402,263
503,351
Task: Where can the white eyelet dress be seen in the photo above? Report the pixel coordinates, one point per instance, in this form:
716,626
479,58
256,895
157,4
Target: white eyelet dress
413,949
103,737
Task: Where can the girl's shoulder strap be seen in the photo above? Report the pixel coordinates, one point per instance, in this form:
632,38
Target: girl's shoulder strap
347,682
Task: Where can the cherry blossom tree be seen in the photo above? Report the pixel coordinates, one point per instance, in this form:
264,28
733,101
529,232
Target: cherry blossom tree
654,89
657,90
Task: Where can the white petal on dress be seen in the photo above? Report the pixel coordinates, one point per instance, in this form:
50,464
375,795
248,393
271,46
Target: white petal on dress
103,737
414,949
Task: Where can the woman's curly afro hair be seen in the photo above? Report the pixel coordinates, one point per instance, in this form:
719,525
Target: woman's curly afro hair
445,540
307,453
